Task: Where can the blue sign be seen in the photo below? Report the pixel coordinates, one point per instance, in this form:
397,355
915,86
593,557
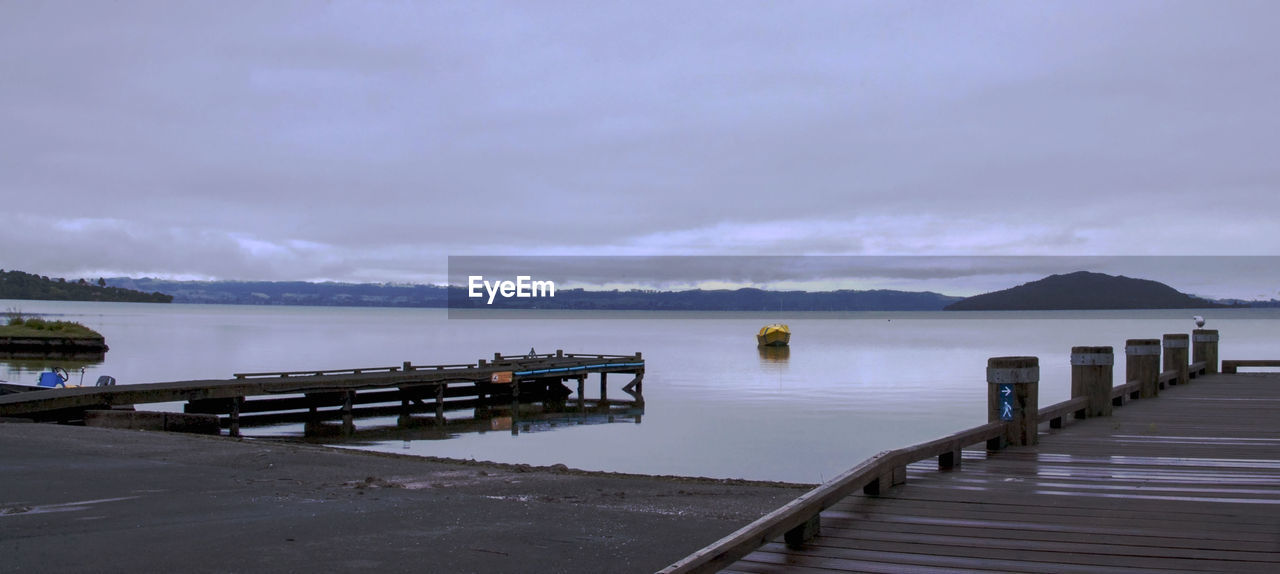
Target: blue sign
1005,392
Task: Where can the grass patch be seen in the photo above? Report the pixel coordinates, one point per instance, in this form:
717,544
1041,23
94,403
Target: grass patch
22,326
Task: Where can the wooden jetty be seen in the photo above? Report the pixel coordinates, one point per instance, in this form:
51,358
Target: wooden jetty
315,396
1188,482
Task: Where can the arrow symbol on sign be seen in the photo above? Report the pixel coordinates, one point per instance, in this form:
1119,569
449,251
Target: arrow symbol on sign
1006,391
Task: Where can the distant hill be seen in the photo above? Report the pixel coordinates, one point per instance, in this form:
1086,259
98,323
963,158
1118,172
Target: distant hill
292,292
391,295
20,285
1083,290
746,299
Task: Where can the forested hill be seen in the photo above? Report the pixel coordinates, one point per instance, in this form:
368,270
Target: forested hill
393,295
1083,290
20,285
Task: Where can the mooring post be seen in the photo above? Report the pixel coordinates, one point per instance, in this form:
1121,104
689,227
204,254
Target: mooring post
1013,396
1175,356
1142,363
1204,347
1091,376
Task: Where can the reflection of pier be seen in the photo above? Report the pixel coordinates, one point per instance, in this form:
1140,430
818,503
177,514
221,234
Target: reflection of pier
316,396
532,417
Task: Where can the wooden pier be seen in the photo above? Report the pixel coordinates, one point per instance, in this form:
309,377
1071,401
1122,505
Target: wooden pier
1186,482
313,397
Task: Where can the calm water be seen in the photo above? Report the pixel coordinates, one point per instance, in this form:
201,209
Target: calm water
853,384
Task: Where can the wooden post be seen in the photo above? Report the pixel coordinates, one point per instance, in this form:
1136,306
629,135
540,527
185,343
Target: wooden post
1204,347
1013,396
348,424
234,429
604,389
1175,356
1142,363
440,403
1091,376
405,416
408,366
582,389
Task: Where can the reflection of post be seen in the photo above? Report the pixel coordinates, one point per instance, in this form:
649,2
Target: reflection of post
1175,356
1142,363
1204,347
1091,376
1013,395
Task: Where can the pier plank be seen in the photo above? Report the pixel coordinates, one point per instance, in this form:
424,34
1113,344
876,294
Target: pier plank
1185,482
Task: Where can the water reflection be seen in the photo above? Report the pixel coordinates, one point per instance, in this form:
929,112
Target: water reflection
774,354
525,418
26,367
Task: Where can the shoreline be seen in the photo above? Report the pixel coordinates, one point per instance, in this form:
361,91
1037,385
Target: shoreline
218,504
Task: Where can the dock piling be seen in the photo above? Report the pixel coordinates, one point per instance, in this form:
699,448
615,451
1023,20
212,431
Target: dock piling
1175,357
1142,363
1013,391
1091,376
1204,347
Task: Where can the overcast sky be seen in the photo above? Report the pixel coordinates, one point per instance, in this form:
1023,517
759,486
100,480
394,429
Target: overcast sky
369,141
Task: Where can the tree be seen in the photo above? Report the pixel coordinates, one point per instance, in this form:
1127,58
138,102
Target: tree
102,282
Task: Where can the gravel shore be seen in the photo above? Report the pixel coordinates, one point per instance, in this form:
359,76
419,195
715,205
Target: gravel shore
76,499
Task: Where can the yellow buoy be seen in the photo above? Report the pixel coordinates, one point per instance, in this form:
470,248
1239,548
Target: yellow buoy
775,335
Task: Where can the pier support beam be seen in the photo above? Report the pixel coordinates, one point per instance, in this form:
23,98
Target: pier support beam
1091,376
1013,396
604,389
234,429
1175,356
348,423
1142,363
440,403
1204,347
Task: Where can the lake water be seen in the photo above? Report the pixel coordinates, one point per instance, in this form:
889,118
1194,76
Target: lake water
852,385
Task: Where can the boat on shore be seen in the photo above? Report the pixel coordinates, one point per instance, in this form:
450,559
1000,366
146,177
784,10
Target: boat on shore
774,335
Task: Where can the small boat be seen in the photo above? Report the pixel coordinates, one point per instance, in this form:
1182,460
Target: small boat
775,335
55,378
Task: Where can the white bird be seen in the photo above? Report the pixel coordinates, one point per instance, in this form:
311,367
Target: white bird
1199,320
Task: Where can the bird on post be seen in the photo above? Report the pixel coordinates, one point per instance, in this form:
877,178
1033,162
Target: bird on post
1199,320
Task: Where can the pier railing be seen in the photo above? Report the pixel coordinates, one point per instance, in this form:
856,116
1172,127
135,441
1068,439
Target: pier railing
1013,421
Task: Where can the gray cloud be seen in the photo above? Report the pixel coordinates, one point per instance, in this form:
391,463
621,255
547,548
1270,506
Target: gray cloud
368,141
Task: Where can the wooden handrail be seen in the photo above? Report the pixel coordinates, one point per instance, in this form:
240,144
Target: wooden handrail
317,373
1062,409
1126,389
799,511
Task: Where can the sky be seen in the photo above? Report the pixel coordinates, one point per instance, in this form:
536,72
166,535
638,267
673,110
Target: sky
369,141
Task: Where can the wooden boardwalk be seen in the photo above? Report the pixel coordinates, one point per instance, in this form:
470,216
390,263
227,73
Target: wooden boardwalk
314,396
1186,482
